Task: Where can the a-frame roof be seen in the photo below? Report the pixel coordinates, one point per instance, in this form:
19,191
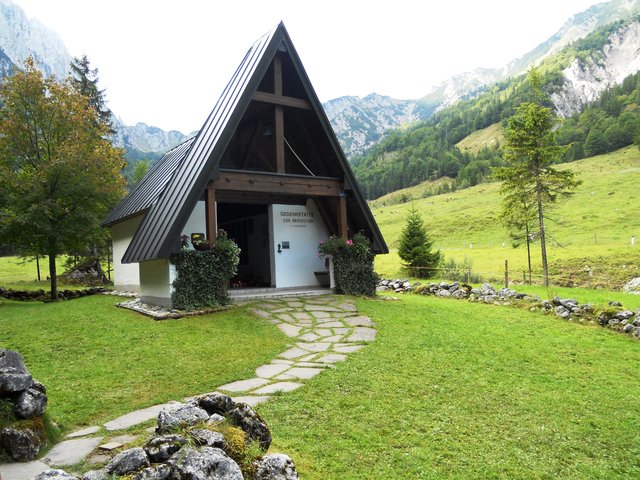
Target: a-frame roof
159,232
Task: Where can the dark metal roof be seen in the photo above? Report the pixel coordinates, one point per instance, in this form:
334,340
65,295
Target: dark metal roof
160,230
147,191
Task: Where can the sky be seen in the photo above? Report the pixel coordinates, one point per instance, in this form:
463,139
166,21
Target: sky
165,62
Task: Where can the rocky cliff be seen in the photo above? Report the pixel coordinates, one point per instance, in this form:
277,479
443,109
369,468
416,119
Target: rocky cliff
21,37
586,78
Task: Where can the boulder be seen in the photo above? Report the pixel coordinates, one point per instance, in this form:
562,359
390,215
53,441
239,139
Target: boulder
160,448
128,461
158,472
207,438
215,403
54,474
22,443
180,415
97,475
562,312
14,376
204,463
248,420
32,402
275,467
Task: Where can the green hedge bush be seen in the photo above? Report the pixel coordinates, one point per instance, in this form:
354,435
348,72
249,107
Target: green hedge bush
203,276
352,265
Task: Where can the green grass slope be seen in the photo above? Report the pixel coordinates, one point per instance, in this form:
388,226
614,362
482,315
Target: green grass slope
490,137
596,224
452,390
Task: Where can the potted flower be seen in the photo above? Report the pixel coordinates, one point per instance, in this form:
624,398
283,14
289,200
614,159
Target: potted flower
199,241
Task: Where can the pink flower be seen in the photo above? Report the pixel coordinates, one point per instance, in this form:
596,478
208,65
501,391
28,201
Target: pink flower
349,242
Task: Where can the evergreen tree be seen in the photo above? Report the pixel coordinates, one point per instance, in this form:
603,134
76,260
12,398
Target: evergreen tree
85,80
529,151
416,247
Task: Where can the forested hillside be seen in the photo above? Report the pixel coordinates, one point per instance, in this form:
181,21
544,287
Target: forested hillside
427,150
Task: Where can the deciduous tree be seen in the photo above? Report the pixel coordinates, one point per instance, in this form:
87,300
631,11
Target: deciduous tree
59,176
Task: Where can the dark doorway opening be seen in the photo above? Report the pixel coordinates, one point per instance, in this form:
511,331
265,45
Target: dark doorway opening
248,226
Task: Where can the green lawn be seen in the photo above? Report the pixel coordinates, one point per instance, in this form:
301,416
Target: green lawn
598,221
98,361
458,390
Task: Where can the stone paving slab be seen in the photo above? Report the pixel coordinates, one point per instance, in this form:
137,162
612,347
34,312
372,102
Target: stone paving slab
301,316
244,385
314,347
341,331
278,387
251,400
309,337
134,418
70,452
349,307
323,332
333,339
321,314
360,321
289,330
261,313
271,370
331,323
362,334
282,361
332,358
84,432
320,308
294,352
22,470
304,373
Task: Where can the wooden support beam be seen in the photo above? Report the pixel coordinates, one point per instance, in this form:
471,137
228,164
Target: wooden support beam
236,181
342,216
272,98
210,209
279,117
279,137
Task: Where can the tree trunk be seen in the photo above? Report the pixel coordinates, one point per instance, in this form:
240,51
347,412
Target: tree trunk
38,265
52,271
543,243
526,226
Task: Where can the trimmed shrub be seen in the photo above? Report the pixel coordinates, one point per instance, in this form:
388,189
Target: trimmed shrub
352,265
203,276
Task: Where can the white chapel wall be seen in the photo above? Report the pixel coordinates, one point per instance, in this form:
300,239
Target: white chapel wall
126,276
303,228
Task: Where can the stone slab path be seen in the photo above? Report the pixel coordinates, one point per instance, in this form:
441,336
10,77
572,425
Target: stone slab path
323,330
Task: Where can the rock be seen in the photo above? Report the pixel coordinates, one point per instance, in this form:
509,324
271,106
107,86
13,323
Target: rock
180,415
562,312
275,466
22,443
633,286
215,403
128,461
97,475
160,448
624,315
628,328
32,402
207,438
215,418
487,289
158,472
459,294
54,474
615,304
248,420
443,293
204,463
14,376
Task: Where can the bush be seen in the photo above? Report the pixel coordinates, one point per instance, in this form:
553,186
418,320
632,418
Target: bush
352,265
203,276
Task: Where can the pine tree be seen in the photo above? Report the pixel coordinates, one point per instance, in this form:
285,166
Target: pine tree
85,80
416,247
529,151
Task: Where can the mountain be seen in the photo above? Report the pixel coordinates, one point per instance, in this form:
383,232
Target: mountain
360,122
593,82
145,141
358,127
21,37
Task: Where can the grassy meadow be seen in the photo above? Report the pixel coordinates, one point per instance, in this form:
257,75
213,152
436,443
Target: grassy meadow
458,390
597,223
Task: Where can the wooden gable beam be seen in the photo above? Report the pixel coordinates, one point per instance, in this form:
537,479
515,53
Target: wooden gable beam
281,184
283,101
